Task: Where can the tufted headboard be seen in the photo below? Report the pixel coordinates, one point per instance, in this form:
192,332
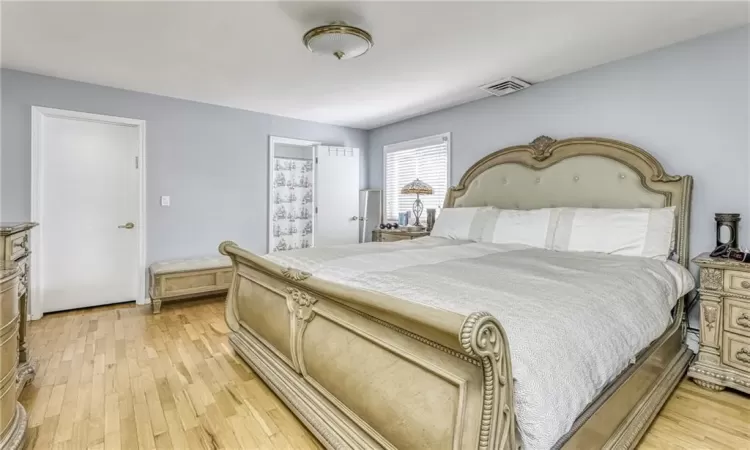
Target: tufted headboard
576,172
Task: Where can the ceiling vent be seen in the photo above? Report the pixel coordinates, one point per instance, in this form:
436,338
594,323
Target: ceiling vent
505,86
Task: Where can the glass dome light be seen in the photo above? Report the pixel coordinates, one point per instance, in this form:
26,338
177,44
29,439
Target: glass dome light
338,39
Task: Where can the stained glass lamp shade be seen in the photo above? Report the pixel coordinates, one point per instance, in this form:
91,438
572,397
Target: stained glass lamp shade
417,187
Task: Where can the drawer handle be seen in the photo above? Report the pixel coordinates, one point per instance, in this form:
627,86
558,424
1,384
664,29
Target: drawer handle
24,244
744,320
745,284
743,355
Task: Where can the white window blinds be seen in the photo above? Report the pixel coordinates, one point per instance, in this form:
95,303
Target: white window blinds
426,159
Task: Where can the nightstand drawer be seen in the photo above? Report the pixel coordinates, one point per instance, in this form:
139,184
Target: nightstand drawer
16,245
397,235
737,282
737,316
735,352
391,237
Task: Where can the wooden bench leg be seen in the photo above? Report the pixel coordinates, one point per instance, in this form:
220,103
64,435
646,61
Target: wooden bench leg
156,305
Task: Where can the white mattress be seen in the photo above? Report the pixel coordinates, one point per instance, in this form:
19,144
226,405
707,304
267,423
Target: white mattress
574,320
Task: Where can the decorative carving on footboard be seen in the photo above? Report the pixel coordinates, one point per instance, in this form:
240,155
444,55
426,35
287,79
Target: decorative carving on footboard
295,274
482,336
300,306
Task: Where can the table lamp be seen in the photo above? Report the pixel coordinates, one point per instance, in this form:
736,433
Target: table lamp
417,187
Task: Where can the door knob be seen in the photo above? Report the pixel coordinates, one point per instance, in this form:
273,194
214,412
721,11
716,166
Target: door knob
128,225
354,218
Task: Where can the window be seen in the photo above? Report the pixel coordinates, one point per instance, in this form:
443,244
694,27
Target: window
427,159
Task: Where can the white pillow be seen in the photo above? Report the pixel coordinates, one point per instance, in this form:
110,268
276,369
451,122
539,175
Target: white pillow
534,227
630,232
462,223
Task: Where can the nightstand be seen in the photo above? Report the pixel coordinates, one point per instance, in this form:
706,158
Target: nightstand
724,356
397,235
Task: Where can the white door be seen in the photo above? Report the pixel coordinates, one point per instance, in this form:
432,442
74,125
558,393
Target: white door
337,195
89,197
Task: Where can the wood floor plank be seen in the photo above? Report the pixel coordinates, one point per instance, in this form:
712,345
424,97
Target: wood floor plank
244,435
45,435
64,430
187,414
38,409
145,435
128,432
155,407
121,378
176,432
55,400
79,438
220,430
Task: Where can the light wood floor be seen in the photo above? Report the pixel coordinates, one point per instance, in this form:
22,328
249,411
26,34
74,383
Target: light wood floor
121,378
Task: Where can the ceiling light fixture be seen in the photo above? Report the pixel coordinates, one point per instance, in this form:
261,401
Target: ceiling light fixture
338,39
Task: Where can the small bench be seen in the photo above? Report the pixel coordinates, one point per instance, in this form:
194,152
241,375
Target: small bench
185,278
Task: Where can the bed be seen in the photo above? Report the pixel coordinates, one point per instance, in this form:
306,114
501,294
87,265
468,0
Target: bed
365,362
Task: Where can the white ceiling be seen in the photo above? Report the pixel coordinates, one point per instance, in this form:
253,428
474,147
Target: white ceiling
427,55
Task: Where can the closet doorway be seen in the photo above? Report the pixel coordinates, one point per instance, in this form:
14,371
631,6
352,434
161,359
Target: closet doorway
292,200
313,194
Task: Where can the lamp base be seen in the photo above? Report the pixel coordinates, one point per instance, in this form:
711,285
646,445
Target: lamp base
417,209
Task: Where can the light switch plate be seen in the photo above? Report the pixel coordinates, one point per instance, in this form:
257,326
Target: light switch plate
164,200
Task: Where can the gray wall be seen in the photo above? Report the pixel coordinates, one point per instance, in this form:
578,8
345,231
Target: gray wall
687,104
212,160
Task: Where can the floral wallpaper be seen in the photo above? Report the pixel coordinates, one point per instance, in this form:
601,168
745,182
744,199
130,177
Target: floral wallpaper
292,204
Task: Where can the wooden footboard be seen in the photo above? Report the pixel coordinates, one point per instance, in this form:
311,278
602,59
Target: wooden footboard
365,370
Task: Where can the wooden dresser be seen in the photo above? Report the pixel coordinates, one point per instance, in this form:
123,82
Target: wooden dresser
13,418
396,235
724,356
15,245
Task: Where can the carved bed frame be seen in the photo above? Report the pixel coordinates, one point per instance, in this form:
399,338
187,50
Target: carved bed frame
366,370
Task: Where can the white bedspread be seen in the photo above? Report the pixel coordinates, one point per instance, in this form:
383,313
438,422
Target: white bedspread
574,320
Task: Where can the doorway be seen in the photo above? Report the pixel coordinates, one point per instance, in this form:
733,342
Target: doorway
313,194
292,221
88,187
